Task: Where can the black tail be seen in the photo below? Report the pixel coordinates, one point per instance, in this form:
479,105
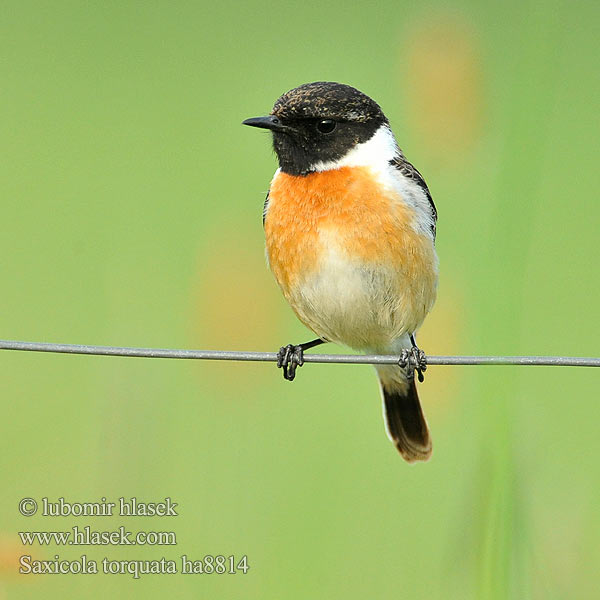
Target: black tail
405,421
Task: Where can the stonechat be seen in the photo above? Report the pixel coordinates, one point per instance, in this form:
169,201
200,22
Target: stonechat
350,233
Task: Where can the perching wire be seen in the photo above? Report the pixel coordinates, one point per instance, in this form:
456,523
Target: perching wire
552,361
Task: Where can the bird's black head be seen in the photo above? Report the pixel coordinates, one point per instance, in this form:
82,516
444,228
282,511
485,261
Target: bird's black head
319,123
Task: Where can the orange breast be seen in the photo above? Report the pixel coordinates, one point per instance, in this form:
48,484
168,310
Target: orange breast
373,225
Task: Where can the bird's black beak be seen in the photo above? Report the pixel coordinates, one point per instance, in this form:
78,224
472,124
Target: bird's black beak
271,122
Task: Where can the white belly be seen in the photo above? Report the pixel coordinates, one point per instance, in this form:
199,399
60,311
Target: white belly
357,304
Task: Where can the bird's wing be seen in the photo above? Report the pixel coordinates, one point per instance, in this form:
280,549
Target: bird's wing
410,172
265,208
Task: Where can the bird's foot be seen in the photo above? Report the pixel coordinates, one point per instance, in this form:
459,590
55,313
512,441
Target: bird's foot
289,358
413,359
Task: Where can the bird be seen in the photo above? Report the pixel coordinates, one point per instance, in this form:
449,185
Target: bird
350,231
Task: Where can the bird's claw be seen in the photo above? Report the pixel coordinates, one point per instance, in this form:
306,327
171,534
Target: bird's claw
289,358
413,359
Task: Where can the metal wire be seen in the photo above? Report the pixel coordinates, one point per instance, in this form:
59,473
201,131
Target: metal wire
549,361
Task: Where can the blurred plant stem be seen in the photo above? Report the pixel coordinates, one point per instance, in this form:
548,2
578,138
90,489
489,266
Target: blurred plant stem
503,570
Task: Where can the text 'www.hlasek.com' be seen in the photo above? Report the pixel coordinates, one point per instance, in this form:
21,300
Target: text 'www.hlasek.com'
38,563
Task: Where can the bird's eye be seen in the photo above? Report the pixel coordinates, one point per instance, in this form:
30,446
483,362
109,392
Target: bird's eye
326,125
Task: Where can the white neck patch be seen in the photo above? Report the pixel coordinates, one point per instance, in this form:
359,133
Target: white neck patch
375,153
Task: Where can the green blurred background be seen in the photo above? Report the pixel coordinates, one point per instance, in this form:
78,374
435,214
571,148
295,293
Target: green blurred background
131,203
